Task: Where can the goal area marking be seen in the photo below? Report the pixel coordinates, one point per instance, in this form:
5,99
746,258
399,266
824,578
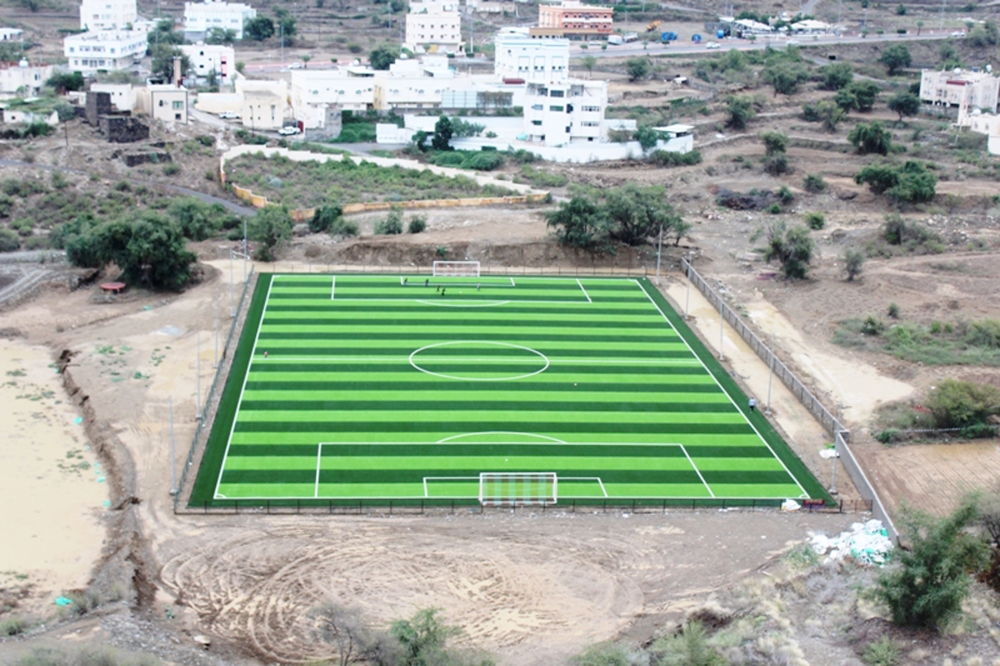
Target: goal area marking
456,268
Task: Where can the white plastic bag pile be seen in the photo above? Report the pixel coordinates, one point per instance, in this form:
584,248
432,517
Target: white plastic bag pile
865,543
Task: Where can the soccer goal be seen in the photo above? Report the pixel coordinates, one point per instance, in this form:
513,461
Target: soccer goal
456,269
517,488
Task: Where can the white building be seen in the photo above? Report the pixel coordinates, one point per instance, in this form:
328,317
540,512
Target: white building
433,29
201,17
207,58
11,35
165,102
983,123
23,78
491,6
565,112
122,94
107,14
977,90
518,57
810,27
413,84
313,89
108,50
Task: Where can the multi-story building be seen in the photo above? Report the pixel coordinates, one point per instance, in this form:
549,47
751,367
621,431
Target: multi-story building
107,50
573,19
107,14
349,89
165,102
434,29
565,112
122,95
973,89
23,78
201,17
491,6
519,58
207,58
11,35
413,84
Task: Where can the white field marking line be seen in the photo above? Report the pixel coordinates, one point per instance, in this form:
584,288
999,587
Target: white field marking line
584,290
502,443
585,478
421,300
479,379
463,304
624,498
239,403
319,464
735,406
697,471
333,287
500,432
476,359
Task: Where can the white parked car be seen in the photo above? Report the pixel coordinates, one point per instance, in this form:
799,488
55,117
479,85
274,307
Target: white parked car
958,33
295,65
229,115
793,42
288,130
713,45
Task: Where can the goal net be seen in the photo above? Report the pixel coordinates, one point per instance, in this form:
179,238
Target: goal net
456,269
517,488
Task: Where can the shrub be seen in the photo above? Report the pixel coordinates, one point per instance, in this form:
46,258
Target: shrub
59,181
325,217
774,209
872,325
854,262
893,311
171,169
814,183
884,651
958,404
792,248
392,224
9,241
417,224
665,158
13,626
870,138
786,195
776,164
739,111
775,143
815,220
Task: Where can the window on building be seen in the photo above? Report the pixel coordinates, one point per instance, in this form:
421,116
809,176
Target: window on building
558,93
557,108
178,105
537,123
538,107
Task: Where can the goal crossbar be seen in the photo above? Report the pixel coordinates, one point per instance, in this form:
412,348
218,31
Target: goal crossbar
456,269
518,488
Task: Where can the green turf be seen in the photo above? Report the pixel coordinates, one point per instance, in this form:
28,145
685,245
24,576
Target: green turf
374,390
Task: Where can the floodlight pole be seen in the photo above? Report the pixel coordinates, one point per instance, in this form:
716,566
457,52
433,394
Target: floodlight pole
687,298
173,455
215,357
721,328
770,380
246,250
232,301
836,456
197,396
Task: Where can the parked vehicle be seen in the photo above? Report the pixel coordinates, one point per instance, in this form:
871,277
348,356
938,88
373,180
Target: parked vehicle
615,40
229,115
696,37
630,37
713,45
668,37
289,130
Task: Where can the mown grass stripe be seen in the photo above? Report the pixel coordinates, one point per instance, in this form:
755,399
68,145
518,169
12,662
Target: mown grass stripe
305,408
463,426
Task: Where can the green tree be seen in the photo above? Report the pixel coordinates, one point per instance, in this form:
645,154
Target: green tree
602,654
580,223
895,58
912,183
865,95
164,33
647,138
285,24
739,111
443,131
785,77
10,241
66,82
904,104
830,115
588,62
868,138
270,228
636,213
880,178
325,218
305,60
958,404
950,59
901,10
258,29
793,248
194,218
926,586
637,68
382,57
814,183
854,263
148,248
423,638
163,60
845,100
343,628
775,143
815,220
837,76
220,36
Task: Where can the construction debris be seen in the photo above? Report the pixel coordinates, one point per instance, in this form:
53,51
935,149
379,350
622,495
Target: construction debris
865,543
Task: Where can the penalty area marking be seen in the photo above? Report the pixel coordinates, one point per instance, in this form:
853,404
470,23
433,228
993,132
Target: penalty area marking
463,304
561,479
696,470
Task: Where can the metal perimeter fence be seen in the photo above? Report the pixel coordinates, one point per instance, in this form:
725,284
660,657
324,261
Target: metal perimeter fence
819,411
226,353
420,507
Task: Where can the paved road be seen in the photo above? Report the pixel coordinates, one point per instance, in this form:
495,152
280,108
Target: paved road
637,48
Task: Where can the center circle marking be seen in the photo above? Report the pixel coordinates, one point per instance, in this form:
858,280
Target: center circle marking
492,343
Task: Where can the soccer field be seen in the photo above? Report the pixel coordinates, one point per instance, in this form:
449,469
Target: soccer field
377,388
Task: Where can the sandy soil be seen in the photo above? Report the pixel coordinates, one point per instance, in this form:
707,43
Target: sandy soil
49,479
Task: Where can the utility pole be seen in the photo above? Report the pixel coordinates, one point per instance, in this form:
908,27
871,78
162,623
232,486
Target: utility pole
659,251
722,330
770,377
246,249
197,395
232,302
943,3
281,31
173,456
215,358
687,298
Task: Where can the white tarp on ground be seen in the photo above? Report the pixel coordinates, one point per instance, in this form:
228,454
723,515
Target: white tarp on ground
865,543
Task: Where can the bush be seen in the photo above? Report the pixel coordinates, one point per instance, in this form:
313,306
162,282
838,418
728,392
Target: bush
325,217
391,225
665,158
9,241
775,143
854,262
926,588
815,220
792,248
893,311
958,404
171,169
417,224
911,183
814,183
776,164
870,138
739,111
872,325
884,651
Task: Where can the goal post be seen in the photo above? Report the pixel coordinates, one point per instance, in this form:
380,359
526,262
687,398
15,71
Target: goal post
518,488
456,269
